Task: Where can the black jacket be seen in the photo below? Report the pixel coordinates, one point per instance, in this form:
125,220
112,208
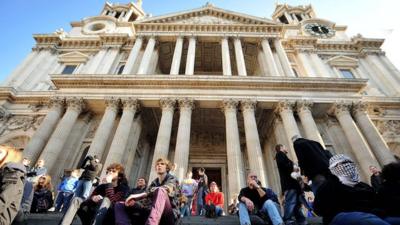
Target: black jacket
376,181
91,169
285,167
333,197
313,158
389,198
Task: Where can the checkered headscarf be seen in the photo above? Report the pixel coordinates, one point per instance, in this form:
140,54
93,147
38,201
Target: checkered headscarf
345,169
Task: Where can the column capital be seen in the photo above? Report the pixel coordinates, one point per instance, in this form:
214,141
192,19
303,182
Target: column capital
130,104
229,105
340,108
304,105
248,105
360,107
167,103
112,103
186,103
76,104
285,106
56,102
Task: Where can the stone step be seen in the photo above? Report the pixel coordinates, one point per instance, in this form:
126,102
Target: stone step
54,218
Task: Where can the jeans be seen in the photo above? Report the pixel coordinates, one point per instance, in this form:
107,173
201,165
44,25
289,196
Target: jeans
126,215
83,189
292,207
317,181
102,211
269,208
218,211
69,215
161,209
63,199
200,202
186,210
357,218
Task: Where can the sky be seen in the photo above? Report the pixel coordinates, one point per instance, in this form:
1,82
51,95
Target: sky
20,19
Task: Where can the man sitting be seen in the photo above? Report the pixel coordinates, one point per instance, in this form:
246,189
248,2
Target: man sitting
93,211
258,200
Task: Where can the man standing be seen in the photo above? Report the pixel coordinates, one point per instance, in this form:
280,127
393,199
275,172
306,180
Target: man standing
290,187
188,187
376,178
201,190
92,167
258,200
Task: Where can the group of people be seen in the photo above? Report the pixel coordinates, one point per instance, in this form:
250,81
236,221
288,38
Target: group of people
340,195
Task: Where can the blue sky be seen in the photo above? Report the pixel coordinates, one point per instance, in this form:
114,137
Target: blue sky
21,18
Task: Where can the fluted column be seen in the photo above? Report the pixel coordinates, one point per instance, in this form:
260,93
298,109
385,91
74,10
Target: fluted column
108,60
360,148
375,140
57,140
226,59
42,134
176,60
254,153
287,68
240,63
104,129
308,122
95,61
319,65
234,155
164,132
121,136
288,17
305,60
148,52
133,55
191,53
183,137
269,57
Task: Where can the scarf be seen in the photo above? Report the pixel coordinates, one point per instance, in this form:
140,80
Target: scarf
345,169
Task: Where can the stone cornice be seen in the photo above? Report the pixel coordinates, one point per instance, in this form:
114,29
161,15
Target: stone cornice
212,82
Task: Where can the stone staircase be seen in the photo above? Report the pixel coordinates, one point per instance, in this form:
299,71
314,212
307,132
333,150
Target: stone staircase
54,218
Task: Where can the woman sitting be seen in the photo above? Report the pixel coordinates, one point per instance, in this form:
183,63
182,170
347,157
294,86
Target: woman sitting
42,195
214,201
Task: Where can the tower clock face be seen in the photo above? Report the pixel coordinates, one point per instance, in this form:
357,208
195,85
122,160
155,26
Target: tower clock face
319,30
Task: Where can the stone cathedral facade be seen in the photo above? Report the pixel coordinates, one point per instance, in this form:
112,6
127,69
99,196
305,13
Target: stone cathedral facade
204,87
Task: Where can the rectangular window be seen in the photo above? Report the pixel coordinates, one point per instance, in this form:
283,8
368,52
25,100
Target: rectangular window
346,73
69,69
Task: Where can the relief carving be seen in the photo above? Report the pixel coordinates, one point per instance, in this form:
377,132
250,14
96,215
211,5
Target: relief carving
206,20
390,129
21,123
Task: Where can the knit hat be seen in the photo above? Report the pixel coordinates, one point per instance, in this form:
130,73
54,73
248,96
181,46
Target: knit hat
345,169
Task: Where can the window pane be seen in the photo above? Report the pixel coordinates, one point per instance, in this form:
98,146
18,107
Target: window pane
347,73
121,68
69,69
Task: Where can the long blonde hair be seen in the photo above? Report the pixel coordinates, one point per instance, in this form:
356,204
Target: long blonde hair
47,184
12,154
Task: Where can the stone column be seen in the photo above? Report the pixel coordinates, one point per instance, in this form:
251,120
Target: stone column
121,136
360,148
307,120
304,58
287,68
375,140
288,17
254,153
42,134
181,157
176,60
240,63
133,55
190,60
285,111
319,65
226,59
57,140
390,84
95,62
269,57
164,133
108,60
234,154
145,63
104,129
18,72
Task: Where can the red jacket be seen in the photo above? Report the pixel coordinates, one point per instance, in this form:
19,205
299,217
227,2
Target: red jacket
217,198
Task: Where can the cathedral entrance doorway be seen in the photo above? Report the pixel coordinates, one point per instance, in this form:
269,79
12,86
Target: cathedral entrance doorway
213,174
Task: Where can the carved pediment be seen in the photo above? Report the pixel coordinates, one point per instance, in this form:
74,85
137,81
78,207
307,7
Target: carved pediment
73,57
343,61
209,15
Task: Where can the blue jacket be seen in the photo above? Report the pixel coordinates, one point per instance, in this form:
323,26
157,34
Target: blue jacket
68,184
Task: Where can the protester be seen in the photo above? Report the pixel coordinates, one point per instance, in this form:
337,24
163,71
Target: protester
258,200
188,187
12,178
26,203
92,167
201,190
26,162
66,191
37,171
290,187
389,193
376,178
214,201
162,197
42,195
125,214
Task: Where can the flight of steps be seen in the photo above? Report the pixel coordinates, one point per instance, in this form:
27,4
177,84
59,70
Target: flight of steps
54,218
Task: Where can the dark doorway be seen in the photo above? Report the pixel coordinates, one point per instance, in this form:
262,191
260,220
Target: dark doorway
213,174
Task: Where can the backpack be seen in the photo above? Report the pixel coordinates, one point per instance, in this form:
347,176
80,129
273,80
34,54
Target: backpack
210,211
